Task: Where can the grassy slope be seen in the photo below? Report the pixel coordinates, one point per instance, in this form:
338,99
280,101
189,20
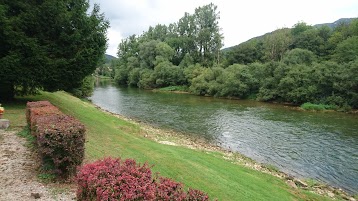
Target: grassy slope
207,171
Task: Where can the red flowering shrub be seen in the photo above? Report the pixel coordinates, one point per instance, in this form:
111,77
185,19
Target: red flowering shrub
36,104
168,189
34,113
60,138
196,195
60,141
113,179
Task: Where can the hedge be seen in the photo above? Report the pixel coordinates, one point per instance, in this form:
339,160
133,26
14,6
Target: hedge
60,138
37,104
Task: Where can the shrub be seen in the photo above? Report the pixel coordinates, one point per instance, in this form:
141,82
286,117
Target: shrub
196,195
167,189
114,179
60,140
34,113
318,107
86,88
37,104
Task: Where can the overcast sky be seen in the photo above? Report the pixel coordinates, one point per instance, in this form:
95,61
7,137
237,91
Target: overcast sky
239,20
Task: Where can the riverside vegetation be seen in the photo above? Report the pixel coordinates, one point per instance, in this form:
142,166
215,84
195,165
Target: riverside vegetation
110,136
315,64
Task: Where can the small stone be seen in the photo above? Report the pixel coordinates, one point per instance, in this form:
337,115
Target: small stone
4,123
35,195
352,199
292,184
300,183
330,194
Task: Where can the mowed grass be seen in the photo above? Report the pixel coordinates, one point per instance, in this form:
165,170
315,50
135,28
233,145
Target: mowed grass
207,171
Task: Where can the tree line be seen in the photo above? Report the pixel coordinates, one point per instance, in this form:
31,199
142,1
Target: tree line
294,65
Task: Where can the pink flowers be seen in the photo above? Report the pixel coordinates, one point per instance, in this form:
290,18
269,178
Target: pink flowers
114,179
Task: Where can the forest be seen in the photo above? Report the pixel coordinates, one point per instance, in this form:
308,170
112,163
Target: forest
291,65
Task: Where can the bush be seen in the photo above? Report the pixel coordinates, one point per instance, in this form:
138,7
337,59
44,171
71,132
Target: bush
318,107
60,140
37,104
167,189
114,179
34,113
86,89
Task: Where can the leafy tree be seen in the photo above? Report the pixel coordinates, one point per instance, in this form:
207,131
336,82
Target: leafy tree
237,82
299,56
297,86
206,82
166,74
276,44
309,40
245,53
208,39
147,79
299,28
86,88
50,44
347,50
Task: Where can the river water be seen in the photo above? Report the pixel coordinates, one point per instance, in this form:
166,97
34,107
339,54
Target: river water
317,145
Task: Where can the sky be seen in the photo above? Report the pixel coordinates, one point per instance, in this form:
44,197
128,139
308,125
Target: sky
239,20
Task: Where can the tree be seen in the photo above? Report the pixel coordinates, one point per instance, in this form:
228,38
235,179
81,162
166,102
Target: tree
276,44
347,50
208,39
299,56
245,53
50,45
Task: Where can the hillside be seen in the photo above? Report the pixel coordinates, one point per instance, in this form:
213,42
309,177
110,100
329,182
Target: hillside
331,25
336,23
109,58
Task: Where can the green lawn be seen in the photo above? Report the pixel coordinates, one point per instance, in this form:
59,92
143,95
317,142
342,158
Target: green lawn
207,171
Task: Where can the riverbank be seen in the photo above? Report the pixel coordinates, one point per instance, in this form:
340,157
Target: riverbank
304,107
173,138
223,174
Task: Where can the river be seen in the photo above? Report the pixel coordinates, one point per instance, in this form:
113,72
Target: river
318,145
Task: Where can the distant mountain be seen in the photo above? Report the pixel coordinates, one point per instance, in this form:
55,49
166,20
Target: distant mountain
109,58
331,25
336,23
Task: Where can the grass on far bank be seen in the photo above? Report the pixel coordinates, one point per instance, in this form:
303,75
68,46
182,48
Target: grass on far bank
318,107
204,170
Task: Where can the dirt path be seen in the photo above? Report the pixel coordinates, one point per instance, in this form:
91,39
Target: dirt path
18,175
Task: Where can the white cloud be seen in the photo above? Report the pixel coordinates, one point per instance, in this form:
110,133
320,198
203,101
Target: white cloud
240,20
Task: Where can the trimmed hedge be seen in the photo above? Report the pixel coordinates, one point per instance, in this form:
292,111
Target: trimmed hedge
35,113
114,179
60,138
37,104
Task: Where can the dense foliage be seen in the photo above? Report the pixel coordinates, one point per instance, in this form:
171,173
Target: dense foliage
114,179
59,138
48,45
158,57
295,65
